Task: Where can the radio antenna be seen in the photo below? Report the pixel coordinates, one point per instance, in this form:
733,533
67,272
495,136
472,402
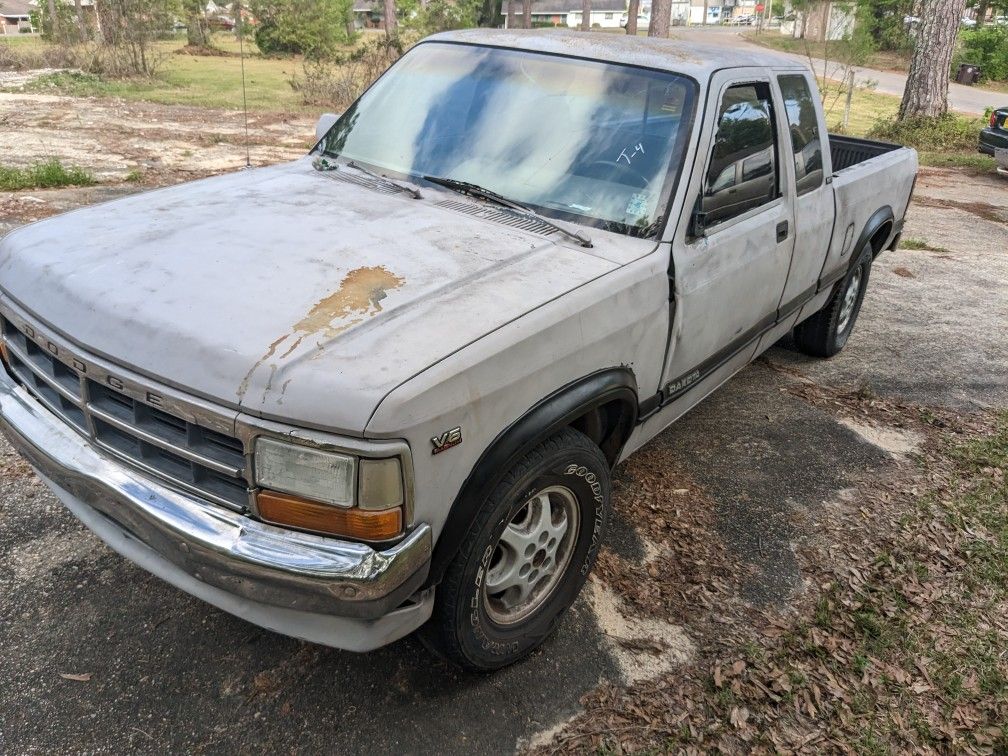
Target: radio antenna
241,53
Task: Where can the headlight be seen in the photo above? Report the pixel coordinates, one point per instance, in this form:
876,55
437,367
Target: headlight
330,492
303,470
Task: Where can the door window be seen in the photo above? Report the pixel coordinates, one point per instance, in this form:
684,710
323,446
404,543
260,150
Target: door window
804,127
744,150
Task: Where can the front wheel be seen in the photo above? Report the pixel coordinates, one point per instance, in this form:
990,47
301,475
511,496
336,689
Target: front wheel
525,557
826,332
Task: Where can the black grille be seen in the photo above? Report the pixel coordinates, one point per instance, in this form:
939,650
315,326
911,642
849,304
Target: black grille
200,460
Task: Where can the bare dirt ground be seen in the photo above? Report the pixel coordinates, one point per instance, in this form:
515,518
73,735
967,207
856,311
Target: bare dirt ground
113,137
741,512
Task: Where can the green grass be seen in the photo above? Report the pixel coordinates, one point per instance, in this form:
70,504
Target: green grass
949,133
198,80
51,173
972,161
205,81
867,108
920,244
22,41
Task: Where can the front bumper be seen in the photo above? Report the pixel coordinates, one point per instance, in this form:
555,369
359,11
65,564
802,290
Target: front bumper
324,590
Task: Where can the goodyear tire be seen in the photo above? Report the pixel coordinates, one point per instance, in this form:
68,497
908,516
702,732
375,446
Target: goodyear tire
825,333
525,558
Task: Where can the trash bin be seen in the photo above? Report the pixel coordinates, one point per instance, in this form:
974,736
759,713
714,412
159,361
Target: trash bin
968,74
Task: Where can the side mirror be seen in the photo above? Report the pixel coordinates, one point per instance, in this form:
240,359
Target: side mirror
324,124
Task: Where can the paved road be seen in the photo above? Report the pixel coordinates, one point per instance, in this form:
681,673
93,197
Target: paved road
168,673
971,100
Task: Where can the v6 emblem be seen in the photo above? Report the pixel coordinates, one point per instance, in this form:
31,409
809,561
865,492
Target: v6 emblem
447,440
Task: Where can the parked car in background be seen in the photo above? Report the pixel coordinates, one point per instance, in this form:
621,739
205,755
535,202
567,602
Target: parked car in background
994,137
384,386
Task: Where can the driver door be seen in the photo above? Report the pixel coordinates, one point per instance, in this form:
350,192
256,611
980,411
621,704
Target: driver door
731,258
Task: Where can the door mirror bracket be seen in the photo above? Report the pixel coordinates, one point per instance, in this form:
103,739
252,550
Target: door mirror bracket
698,221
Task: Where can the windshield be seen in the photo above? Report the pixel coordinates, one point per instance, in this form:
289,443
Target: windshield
592,142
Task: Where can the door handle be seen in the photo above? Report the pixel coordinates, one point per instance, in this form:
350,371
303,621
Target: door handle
782,231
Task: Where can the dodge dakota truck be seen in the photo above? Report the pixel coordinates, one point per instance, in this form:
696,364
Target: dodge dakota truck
383,387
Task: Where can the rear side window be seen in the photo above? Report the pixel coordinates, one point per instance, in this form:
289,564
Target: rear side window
804,127
742,173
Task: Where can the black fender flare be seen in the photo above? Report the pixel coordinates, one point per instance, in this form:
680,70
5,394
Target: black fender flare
878,219
556,411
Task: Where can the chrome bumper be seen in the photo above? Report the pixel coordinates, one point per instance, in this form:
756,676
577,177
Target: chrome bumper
268,566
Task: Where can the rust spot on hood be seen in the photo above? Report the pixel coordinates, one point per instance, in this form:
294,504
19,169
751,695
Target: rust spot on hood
359,294
361,291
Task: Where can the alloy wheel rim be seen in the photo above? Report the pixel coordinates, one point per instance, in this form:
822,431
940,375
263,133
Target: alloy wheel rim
531,556
849,300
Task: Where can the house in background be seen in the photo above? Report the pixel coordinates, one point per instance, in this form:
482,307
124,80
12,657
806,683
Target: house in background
605,14
368,14
679,12
823,21
15,17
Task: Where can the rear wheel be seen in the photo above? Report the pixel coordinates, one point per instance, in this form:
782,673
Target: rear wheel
825,333
525,557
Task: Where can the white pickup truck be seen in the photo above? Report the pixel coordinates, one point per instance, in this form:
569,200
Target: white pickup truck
384,386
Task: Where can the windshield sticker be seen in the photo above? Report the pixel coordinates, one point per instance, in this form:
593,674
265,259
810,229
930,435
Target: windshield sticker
637,207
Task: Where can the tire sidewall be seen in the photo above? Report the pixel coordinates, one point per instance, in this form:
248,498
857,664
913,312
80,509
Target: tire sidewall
587,477
864,265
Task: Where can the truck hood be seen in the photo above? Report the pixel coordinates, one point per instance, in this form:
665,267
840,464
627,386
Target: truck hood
283,292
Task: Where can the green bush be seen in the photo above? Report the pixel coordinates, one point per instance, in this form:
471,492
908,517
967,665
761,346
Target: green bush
313,28
882,22
45,175
434,16
948,133
986,47
75,83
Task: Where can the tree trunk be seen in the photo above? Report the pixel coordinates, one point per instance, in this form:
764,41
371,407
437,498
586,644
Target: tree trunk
661,16
195,31
511,21
926,92
391,26
633,9
236,11
526,14
982,12
488,14
585,15
54,24
706,10
81,28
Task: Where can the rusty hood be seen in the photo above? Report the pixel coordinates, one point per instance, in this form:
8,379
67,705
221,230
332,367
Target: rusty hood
283,292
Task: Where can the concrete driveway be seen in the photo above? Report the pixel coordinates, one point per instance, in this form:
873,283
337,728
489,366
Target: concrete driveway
969,100
100,656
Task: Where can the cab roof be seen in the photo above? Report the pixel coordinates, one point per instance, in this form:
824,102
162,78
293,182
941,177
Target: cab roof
672,54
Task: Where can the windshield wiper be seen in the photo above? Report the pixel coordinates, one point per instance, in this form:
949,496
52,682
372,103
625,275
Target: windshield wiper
324,164
475,190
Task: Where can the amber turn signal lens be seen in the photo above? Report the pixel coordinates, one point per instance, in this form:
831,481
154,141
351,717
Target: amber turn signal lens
294,512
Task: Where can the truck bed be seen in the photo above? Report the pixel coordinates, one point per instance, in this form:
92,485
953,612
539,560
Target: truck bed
868,176
848,151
